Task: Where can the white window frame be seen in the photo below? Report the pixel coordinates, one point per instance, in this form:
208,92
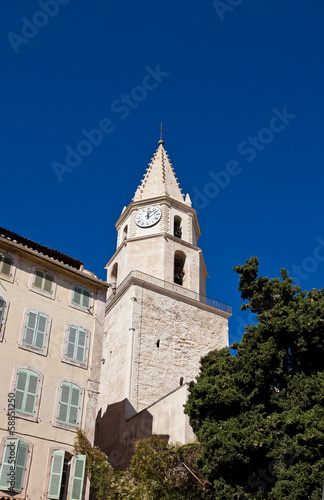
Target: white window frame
68,453
13,268
33,288
76,306
55,423
4,318
69,361
32,418
22,345
22,495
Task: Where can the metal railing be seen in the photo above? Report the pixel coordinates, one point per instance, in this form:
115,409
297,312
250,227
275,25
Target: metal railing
172,287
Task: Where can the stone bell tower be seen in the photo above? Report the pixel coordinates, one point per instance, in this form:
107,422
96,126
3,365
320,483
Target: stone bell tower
159,323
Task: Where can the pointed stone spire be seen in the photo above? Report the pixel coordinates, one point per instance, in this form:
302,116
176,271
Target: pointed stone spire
159,179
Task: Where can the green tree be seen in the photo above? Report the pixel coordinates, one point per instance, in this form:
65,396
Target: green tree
157,471
259,414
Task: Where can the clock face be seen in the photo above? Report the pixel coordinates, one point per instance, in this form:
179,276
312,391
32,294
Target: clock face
148,216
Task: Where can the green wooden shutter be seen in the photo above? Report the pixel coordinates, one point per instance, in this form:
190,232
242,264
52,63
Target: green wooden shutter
48,283
64,403
77,292
2,309
78,477
81,346
31,393
11,444
26,391
76,344
38,282
71,342
5,264
55,481
20,465
15,455
20,389
74,404
69,404
30,329
41,331
35,331
81,296
86,298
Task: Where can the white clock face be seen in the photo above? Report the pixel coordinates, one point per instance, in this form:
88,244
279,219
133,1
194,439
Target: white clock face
148,216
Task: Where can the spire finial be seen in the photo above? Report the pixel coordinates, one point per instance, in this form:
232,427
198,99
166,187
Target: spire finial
161,141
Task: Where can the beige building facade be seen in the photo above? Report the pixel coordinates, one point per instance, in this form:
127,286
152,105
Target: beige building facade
51,327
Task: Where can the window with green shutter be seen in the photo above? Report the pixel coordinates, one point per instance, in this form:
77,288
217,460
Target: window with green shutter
2,310
68,410
78,477
26,391
43,280
13,465
55,482
81,296
35,330
76,344
60,476
6,263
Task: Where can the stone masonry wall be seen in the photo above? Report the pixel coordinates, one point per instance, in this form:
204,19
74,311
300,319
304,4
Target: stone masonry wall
171,336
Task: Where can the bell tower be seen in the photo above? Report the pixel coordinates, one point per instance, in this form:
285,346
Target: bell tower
159,323
158,231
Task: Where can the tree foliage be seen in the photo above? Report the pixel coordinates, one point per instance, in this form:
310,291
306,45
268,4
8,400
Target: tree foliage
259,415
157,471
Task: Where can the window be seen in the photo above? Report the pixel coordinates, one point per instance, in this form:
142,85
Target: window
179,261
43,282
113,276
177,227
6,262
60,474
75,348
2,309
7,268
81,297
78,476
3,315
35,332
13,465
125,231
26,391
69,404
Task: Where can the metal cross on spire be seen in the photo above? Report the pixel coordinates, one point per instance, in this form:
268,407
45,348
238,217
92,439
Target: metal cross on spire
161,131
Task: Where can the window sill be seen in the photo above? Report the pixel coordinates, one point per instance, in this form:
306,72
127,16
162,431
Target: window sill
41,292
75,363
32,349
83,309
5,277
27,417
71,428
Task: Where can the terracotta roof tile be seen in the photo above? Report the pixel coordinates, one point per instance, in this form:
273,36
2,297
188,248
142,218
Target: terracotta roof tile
48,252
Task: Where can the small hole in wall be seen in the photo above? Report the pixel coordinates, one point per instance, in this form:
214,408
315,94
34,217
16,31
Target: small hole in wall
158,343
181,380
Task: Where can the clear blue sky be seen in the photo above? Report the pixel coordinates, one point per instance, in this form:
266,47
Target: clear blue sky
239,89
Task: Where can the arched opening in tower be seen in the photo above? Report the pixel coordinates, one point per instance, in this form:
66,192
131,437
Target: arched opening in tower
179,262
177,229
114,275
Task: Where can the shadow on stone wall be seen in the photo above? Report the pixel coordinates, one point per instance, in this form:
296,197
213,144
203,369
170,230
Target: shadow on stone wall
116,436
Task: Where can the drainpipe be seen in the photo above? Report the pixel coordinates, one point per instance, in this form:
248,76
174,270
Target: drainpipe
131,350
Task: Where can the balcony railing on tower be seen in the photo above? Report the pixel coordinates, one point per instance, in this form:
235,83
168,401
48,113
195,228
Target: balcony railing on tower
172,287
